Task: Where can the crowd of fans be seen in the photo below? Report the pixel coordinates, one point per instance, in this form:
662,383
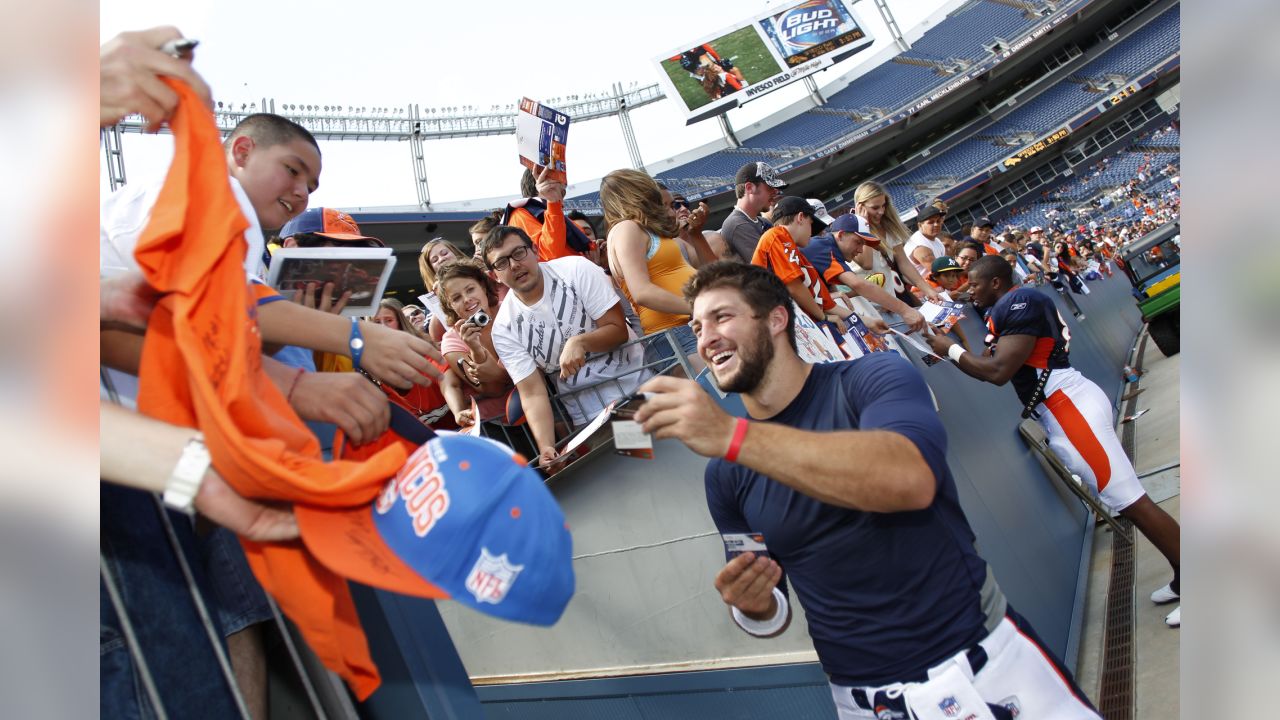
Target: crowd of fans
556,315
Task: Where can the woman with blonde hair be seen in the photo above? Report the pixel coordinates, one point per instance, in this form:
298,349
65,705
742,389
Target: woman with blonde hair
436,254
873,203
645,259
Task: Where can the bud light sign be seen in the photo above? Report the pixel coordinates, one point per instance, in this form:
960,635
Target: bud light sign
810,29
718,71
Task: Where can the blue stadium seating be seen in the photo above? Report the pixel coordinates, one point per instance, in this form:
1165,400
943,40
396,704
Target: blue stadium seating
1150,45
962,34
893,85
1156,41
888,87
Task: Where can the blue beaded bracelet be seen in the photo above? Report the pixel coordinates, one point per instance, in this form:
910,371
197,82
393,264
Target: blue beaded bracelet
356,343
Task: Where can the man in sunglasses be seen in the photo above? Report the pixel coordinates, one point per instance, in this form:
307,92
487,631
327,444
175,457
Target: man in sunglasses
690,220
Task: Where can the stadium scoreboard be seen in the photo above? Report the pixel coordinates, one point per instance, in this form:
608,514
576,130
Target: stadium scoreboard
719,71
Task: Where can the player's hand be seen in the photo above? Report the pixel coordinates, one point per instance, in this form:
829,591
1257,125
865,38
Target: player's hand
321,298
130,66
913,320
572,357
550,190
679,408
398,358
939,343
747,583
127,299
345,399
250,519
876,325
930,294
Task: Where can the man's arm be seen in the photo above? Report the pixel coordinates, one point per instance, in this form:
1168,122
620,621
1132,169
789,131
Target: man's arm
805,300
998,368
885,299
393,356
537,411
141,452
610,332
550,239
870,470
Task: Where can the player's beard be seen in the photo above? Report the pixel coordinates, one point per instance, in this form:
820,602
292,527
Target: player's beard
754,358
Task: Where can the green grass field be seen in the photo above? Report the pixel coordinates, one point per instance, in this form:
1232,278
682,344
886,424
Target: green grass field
746,50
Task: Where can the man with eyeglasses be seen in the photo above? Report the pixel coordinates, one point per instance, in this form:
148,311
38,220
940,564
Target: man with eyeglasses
557,313
757,186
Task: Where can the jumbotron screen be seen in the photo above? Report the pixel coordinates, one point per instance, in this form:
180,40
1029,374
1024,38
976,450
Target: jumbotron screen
723,70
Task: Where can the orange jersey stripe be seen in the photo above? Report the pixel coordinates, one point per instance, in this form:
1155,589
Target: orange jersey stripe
1081,436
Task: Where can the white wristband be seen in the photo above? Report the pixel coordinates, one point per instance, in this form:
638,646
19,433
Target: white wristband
955,351
184,482
764,628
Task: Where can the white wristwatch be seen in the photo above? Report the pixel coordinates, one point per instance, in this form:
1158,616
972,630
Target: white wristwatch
184,482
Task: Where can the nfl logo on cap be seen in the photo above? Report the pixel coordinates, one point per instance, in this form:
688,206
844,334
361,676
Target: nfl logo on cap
464,519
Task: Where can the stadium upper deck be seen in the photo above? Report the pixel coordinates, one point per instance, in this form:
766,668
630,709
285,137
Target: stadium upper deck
977,36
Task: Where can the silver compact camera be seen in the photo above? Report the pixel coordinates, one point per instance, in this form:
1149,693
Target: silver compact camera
480,319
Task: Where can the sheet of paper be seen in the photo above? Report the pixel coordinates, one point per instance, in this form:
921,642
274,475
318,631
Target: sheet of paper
541,135
915,343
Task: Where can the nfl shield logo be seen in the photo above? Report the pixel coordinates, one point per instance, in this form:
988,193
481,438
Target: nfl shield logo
949,706
492,577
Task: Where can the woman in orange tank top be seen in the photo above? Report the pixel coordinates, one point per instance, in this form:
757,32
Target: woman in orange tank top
645,260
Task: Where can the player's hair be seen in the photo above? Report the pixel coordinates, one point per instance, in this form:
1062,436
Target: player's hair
465,270
992,267
427,272
762,290
268,129
497,236
528,184
890,227
633,195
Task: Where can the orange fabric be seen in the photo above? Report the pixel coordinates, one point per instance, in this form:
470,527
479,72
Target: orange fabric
1081,436
1040,352
202,367
778,252
670,271
548,236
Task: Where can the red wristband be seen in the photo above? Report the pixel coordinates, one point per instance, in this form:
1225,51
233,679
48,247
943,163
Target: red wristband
739,433
292,386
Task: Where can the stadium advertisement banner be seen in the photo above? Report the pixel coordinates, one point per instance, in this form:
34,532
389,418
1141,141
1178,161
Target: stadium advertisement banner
721,71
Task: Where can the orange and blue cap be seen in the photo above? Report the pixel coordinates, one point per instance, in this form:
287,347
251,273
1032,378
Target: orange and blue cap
327,222
465,518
